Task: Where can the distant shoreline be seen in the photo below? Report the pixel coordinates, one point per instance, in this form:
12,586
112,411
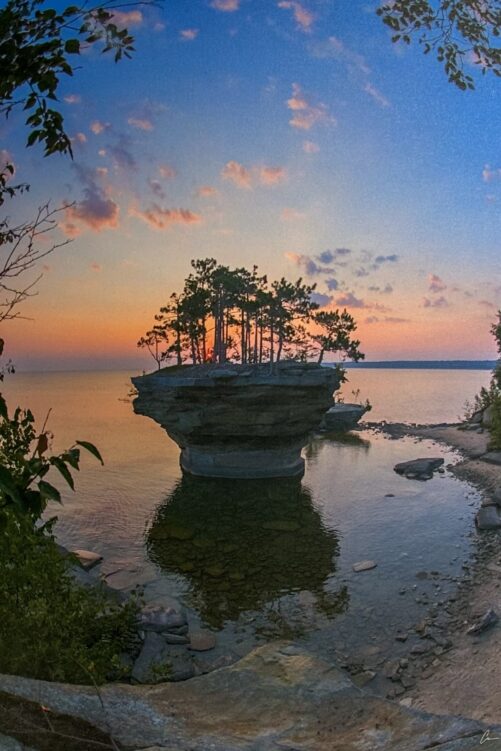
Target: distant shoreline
423,364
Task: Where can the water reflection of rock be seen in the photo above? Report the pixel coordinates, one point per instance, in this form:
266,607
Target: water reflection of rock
242,545
319,440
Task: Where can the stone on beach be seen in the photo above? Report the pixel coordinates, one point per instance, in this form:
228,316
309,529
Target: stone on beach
342,417
419,469
488,517
364,566
202,641
489,618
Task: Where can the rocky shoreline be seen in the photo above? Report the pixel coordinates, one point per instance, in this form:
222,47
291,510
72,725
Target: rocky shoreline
437,667
458,673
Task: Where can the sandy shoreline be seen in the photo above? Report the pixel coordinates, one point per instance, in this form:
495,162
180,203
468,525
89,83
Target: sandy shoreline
468,679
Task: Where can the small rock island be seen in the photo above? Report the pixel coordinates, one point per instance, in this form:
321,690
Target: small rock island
239,421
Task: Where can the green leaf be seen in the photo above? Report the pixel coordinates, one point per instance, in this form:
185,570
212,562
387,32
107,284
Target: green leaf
8,485
49,492
57,462
91,449
72,47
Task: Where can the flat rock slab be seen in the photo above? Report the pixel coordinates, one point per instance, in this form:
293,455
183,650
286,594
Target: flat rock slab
278,697
87,559
419,469
492,457
363,566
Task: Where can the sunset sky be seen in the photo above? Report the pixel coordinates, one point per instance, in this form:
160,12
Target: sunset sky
293,135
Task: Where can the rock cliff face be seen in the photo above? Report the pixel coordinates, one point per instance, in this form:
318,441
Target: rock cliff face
239,421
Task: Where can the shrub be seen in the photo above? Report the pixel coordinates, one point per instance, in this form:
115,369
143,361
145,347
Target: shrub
51,627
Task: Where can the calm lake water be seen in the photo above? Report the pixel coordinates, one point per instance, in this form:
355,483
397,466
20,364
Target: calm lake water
255,560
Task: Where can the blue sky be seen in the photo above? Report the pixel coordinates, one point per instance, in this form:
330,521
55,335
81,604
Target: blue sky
268,132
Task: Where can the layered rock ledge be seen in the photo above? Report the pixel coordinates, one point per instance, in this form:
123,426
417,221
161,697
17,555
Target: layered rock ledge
239,421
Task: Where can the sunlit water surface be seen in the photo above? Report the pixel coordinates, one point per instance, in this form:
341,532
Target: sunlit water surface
267,559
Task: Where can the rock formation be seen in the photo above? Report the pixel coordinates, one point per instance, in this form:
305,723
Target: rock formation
239,421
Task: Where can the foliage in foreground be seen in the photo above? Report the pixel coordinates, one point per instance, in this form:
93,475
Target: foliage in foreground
50,627
491,397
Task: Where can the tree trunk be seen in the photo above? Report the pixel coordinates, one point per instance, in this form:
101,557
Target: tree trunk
321,356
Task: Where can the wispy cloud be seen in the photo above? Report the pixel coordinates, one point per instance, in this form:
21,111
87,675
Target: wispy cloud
320,299
98,127
97,211
163,219
166,171
228,6
156,188
489,174
435,283
128,18
437,302
291,215
310,147
96,266
73,99
206,191
247,177
188,35
386,290
237,174
140,123
303,17
335,48
348,300
378,97
306,114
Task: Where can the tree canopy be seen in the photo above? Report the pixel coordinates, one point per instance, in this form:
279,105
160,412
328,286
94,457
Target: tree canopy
235,314
455,30
37,46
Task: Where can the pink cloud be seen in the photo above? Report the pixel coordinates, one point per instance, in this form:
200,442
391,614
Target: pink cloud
96,266
128,18
435,283
303,17
306,115
188,35
206,191
161,219
291,215
310,147
98,127
140,123
438,302
272,175
79,138
237,174
228,6
488,174
166,171
247,177
73,99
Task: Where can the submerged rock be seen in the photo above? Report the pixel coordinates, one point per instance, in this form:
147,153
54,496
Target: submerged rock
419,469
87,559
158,618
363,566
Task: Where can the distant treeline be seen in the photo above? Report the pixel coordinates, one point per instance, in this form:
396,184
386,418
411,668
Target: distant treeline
425,364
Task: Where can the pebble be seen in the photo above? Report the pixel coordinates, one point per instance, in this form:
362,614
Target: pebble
202,641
